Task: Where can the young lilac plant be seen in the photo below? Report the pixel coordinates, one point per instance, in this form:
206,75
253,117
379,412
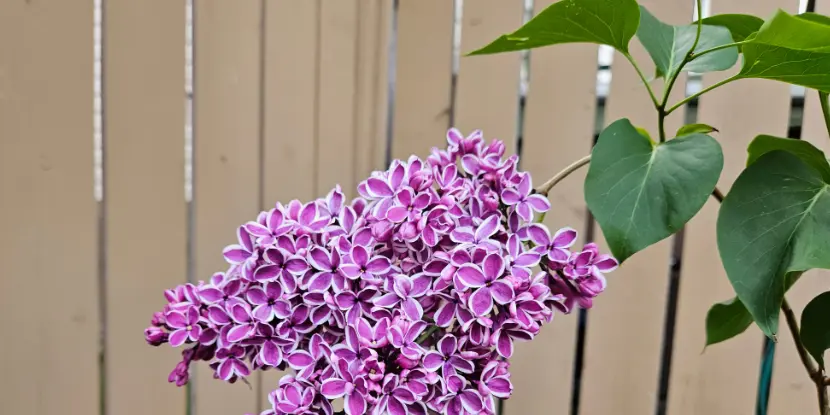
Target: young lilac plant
405,301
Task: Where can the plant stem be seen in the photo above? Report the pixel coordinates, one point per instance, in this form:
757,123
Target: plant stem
717,195
546,186
717,48
425,335
661,108
699,28
792,323
825,108
643,78
705,90
816,373
661,121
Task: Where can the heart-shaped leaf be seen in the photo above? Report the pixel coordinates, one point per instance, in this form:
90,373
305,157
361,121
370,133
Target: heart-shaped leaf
726,320
668,45
641,192
606,22
774,222
740,25
815,326
807,152
790,49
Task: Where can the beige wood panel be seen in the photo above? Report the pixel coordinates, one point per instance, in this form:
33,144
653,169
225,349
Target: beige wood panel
625,327
290,131
336,86
372,85
723,379
559,127
144,196
48,226
226,176
488,86
792,390
423,73
290,100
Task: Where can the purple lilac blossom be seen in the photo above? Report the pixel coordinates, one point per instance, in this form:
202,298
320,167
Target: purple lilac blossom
406,300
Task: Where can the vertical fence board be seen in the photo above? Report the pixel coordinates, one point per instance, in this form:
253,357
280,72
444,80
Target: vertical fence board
792,390
559,127
628,318
337,96
48,251
372,86
423,74
226,175
290,113
290,100
724,379
488,86
145,223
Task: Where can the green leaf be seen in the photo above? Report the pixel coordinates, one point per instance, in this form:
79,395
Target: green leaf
740,25
789,49
815,17
730,318
815,326
726,320
695,129
774,222
607,22
641,192
668,45
808,153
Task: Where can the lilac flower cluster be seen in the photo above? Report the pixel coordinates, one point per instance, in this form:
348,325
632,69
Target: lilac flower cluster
407,300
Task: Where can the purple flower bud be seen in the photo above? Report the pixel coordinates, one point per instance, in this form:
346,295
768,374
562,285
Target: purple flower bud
158,319
382,231
407,363
155,336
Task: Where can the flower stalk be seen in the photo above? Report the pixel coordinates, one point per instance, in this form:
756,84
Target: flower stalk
544,189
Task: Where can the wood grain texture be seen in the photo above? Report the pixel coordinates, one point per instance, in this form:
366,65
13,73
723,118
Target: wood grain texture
226,176
144,195
559,127
372,86
337,97
625,327
423,73
488,86
48,226
290,100
724,378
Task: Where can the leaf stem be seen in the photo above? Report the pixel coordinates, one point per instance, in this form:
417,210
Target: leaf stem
661,108
643,78
717,48
816,373
825,108
705,90
546,186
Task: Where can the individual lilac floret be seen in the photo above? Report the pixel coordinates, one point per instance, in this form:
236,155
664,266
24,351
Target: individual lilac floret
406,300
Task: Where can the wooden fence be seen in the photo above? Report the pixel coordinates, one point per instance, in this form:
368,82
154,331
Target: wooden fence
289,98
